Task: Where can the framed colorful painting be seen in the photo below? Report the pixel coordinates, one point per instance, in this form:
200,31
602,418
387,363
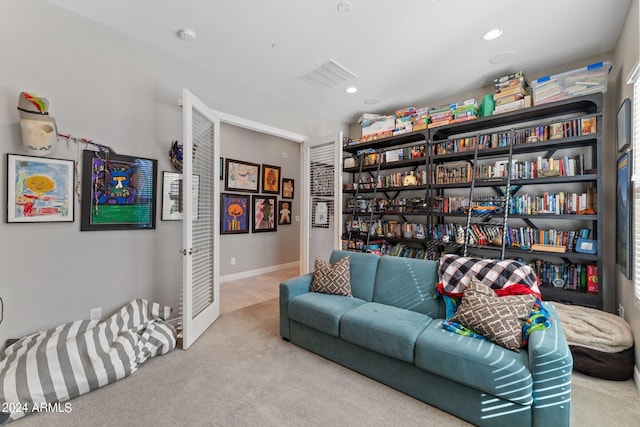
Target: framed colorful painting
270,179
624,195
39,189
118,192
172,196
241,176
235,214
284,212
287,188
264,214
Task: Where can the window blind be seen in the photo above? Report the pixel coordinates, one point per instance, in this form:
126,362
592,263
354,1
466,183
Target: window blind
323,203
635,131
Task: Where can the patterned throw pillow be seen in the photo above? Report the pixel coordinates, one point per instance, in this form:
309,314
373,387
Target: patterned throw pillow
500,319
332,279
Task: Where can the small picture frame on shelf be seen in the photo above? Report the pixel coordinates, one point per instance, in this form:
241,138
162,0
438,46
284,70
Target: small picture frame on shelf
624,125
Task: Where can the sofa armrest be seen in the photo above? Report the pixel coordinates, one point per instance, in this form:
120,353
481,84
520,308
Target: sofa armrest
289,289
551,364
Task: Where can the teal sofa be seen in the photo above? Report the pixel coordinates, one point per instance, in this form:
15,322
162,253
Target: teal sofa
391,331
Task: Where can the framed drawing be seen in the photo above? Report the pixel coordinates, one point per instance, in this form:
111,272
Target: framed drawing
118,192
172,196
39,189
624,125
322,211
624,214
287,188
284,212
264,214
241,176
236,211
270,179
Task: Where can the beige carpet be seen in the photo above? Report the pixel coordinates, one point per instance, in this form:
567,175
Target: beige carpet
241,373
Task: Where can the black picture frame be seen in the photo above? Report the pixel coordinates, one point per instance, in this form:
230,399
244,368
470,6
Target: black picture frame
270,179
261,205
241,176
235,213
623,135
172,196
118,192
40,189
285,212
624,195
288,188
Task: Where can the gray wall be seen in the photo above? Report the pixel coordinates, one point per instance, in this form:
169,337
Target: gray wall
119,92
259,250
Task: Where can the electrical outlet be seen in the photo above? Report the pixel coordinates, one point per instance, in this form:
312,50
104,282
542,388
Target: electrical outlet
233,261
95,313
621,310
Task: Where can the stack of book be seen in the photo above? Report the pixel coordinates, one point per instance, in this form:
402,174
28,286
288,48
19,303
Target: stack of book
467,110
440,116
404,120
512,93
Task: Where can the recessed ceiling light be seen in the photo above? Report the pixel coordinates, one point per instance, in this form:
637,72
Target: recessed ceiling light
187,34
351,89
502,57
493,34
371,101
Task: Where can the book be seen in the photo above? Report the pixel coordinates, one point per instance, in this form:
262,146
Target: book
548,248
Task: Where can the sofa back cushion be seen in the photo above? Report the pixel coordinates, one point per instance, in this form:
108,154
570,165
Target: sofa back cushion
408,283
362,271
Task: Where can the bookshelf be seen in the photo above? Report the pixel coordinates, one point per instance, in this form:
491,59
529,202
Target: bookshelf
523,185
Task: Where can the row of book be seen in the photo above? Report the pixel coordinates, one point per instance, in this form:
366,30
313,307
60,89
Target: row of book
379,205
388,229
564,129
560,203
579,277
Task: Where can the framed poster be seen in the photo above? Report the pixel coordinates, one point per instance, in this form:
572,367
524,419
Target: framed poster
235,215
624,125
270,179
322,209
172,196
40,189
284,212
287,188
241,176
118,192
264,214
624,214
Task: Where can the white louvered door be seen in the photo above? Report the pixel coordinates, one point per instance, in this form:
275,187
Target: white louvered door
323,213
201,240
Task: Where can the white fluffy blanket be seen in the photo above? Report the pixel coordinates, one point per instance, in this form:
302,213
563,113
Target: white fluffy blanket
594,329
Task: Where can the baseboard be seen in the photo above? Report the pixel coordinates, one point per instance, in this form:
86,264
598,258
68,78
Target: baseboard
636,377
256,272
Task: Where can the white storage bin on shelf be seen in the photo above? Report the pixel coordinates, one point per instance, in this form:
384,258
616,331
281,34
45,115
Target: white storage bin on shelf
578,82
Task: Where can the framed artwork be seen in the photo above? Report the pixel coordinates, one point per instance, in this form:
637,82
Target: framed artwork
241,176
287,188
322,210
221,168
172,196
284,212
235,215
270,179
624,214
264,214
624,125
40,189
118,192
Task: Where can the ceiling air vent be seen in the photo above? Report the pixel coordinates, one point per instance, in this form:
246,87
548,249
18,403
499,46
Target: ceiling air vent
327,75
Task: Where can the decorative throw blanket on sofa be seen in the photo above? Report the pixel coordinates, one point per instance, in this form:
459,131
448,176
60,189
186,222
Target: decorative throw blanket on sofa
65,362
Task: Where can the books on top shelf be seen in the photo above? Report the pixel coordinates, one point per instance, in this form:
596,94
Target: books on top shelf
512,93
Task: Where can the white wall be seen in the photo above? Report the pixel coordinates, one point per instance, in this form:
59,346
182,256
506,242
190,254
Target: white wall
119,92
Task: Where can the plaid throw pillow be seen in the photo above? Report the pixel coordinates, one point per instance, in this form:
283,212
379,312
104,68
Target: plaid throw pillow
500,319
332,279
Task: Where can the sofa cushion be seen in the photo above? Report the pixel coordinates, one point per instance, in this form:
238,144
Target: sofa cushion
332,279
408,283
385,329
362,270
321,311
500,319
477,363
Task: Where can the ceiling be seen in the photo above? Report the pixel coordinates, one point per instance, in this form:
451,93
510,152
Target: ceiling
403,53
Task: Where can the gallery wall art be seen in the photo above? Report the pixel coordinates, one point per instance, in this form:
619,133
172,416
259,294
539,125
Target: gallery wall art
264,214
39,189
118,192
172,196
270,179
235,214
241,176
